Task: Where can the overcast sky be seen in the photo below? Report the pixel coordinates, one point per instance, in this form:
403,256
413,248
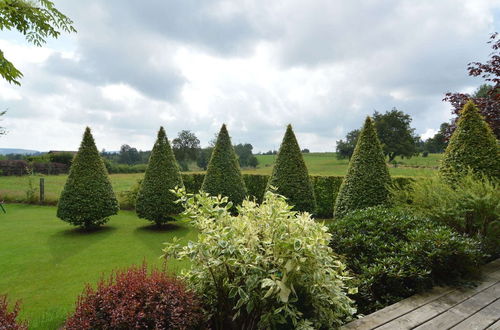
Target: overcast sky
255,65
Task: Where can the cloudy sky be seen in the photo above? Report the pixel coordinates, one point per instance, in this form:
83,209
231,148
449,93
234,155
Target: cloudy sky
321,65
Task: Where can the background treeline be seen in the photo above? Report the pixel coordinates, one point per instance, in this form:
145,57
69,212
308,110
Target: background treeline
393,127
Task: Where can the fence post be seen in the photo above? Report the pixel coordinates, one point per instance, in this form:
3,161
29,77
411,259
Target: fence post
42,190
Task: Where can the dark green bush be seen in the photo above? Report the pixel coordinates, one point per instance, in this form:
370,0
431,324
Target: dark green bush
87,199
62,157
223,174
367,180
115,168
325,191
193,182
256,186
472,146
155,202
290,176
395,254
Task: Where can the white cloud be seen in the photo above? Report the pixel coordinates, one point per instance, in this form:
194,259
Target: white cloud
430,132
256,65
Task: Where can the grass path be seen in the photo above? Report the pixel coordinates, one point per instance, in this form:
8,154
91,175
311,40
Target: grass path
45,262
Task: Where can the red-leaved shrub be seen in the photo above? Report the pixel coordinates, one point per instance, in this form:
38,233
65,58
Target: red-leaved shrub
8,319
136,299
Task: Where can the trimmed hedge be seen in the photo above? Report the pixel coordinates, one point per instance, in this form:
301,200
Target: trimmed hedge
290,177
256,185
20,167
87,199
367,179
472,146
325,188
223,173
155,202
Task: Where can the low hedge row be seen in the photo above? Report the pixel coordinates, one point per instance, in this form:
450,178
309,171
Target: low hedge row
21,167
325,188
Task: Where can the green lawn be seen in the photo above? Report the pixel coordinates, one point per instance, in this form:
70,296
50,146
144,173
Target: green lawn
327,164
45,262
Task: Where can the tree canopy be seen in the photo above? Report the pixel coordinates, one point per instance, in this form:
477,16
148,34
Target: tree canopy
346,148
37,20
394,132
186,148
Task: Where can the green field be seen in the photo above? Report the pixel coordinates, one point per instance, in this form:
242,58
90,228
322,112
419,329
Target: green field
45,262
328,164
13,188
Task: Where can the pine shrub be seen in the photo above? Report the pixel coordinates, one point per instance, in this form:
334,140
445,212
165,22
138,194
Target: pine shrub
367,181
155,202
290,176
472,145
87,199
136,299
223,175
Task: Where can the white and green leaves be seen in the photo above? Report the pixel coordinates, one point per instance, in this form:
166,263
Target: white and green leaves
267,266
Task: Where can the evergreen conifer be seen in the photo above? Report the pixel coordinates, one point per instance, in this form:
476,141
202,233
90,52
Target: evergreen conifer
367,179
472,146
290,176
155,202
223,175
87,199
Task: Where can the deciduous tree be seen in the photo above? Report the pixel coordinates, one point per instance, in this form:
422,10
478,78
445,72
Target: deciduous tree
487,99
37,20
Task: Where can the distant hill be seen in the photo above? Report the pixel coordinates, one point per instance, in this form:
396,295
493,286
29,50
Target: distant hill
5,151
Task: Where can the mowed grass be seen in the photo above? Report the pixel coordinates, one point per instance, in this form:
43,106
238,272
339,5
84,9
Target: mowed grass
45,262
328,164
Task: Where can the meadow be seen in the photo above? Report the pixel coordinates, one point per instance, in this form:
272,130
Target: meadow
13,188
45,262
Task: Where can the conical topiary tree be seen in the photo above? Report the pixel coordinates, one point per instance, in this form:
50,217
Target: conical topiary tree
87,199
290,176
155,201
367,179
223,173
472,146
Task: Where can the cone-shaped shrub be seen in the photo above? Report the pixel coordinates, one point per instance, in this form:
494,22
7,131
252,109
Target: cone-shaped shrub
473,145
155,202
367,179
290,176
223,173
87,199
